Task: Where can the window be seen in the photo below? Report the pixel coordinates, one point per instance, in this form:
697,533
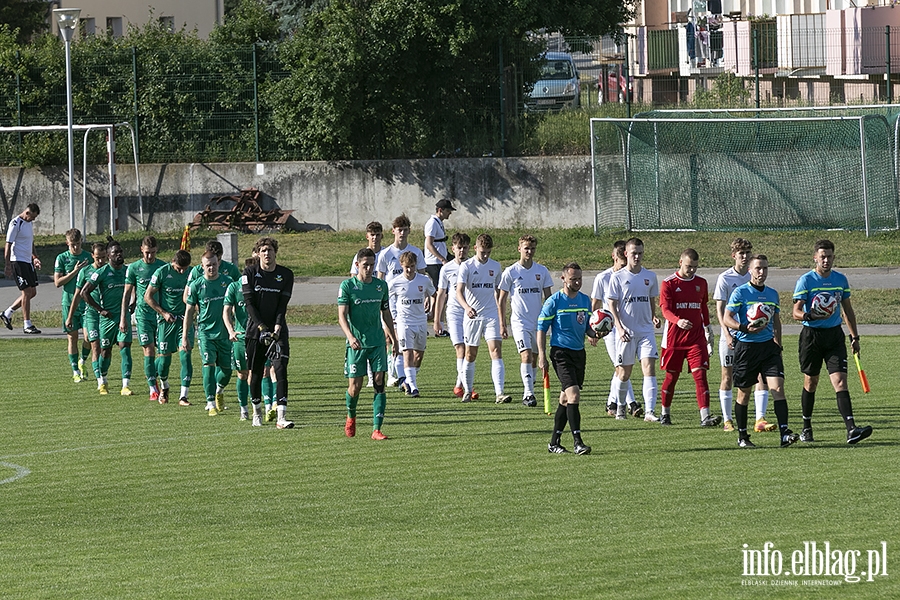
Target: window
88,26
114,27
168,23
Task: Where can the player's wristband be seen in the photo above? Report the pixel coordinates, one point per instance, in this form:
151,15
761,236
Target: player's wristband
807,316
743,328
854,339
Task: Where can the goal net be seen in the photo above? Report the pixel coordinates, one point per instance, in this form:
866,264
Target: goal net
729,170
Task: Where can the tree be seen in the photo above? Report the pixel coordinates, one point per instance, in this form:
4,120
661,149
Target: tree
28,16
384,78
292,14
249,22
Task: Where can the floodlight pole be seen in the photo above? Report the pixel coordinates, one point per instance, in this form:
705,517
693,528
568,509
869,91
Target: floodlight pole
67,19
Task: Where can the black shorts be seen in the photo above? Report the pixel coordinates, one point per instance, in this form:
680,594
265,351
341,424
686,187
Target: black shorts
752,359
569,366
818,345
434,271
24,274
256,354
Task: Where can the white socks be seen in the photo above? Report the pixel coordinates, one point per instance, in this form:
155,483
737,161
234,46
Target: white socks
468,375
527,372
761,401
498,374
460,371
650,392
411,373
725,398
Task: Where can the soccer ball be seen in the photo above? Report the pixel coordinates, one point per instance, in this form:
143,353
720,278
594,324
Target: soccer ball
759,314
601,322
823,305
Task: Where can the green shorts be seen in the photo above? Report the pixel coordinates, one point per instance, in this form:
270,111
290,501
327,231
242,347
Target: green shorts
146,330
168,336
77,318
239,354
215,352
92,325
109,332
356,360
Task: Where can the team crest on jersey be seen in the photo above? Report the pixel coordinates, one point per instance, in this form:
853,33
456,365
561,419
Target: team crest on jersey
421,289
646,282
698,288
278,278
491,272
378,288
538,277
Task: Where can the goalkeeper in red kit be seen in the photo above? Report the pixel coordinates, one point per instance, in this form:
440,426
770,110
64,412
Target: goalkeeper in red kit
684,298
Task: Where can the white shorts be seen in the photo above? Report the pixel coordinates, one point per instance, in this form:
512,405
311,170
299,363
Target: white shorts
455,328
474,329
726,353
641,346
610,341
526,339
411,337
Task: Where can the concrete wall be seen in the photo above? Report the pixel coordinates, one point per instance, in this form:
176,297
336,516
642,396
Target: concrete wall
488,192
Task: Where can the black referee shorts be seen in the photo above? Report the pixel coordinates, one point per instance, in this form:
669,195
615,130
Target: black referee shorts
752,359
569,366
819,345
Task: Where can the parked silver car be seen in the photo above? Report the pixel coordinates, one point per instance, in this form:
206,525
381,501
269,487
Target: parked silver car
557,86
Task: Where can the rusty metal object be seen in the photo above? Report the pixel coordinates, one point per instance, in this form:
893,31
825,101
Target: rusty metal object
246,215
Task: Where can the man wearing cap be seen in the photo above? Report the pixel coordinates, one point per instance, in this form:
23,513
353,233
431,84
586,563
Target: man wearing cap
436,240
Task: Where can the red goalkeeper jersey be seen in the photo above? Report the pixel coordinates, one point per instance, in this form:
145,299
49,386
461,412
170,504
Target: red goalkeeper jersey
684,299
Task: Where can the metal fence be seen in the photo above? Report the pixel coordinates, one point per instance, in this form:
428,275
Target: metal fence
210,104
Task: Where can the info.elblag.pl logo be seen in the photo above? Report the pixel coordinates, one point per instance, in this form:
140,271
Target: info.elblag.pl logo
815,560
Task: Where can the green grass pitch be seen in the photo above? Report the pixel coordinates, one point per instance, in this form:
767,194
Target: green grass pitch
112,497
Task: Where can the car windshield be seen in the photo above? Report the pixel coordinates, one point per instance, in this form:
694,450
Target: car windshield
557,69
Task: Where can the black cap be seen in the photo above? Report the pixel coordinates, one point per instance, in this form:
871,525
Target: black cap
445,204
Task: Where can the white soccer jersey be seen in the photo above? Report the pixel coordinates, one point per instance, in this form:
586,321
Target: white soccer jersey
601,284
21,235
435,228
409,298
355,271
389,261
481,283
447,282
728,282
526,292
634,293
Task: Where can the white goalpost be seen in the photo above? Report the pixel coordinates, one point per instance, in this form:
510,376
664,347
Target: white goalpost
111,167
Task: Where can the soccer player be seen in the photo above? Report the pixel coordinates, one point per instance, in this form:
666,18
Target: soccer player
567,315
109,280
374,235
683,301
526,284
91,318
137,279
446,298
436,240
598,301
225,267
66,269
631,299
165,295
411,293
388,268
822,339
206,299
267,288
757,350
235,316
363,307
21,263
477,287
727,282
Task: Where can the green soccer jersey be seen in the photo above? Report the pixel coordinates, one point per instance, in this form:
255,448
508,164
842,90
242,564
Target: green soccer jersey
224,267
138,275
209,298
366,301
170,284
110,283
65,264
83,276
234,297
